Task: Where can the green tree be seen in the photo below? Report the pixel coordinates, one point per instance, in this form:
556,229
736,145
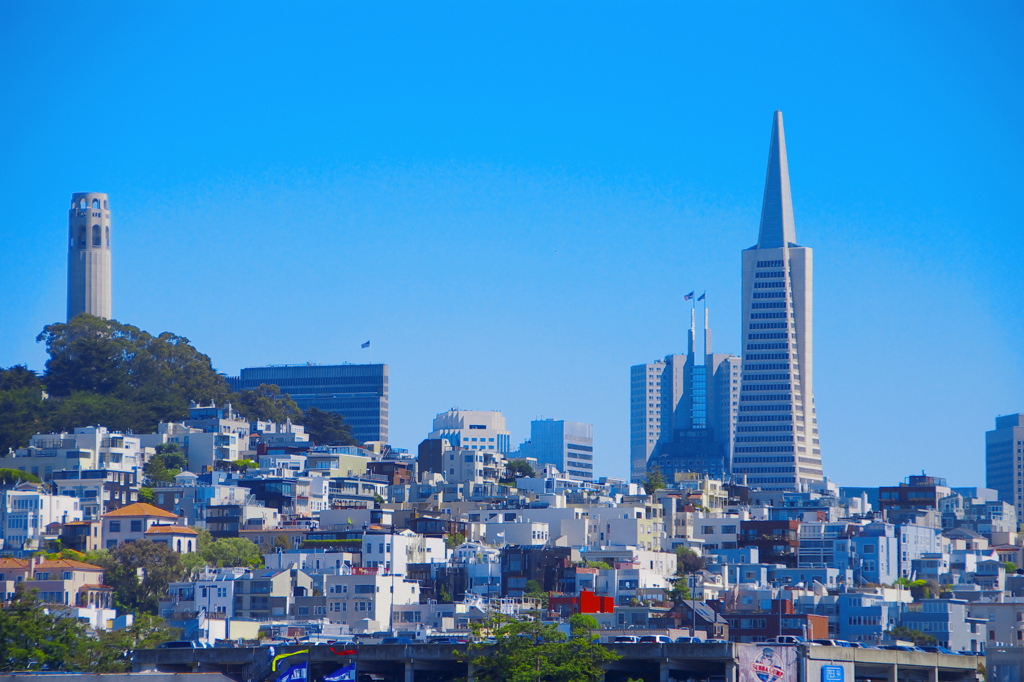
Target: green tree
688,561
266,402
531,651
147,495
517,468
453,540
173,456
680,590
139,572
582,624
534,590
915,636
327,428
112,653
11,477
1010,566
227,552
22,408
102,371
653,481
32,639
156,470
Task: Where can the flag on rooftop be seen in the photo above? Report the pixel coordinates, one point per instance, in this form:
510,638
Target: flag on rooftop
365,345
688,296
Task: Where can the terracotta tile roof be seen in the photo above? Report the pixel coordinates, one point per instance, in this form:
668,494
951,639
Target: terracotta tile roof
8,562
177,530
141,509
67,563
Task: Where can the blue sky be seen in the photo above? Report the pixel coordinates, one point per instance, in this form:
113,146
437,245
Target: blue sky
509,199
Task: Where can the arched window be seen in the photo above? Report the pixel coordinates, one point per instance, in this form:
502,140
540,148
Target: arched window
179,546
105,204
108,237
96,240
190,545
95,203
81,237
81,203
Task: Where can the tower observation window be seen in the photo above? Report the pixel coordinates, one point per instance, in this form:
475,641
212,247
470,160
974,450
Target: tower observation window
96,239
95,203
81,237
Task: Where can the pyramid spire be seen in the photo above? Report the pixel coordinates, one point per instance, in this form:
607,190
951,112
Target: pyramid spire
777,227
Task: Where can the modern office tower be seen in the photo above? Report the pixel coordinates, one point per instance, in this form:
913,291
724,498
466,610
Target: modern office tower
690,415
1004,460
776,444
569,446
89,255
359,393
473,430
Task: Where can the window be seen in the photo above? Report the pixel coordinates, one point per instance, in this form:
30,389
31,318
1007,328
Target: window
96,236
115,526
108,237
95,203
81,237
137,526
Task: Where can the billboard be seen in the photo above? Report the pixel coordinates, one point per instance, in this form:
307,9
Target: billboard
768,663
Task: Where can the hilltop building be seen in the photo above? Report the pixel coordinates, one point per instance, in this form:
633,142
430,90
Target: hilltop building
569,446
359,393
89,279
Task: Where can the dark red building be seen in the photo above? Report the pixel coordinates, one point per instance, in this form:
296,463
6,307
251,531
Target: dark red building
586,602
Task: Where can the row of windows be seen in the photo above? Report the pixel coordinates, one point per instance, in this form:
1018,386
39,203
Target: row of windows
769,264
759,368
780,284
766,470
770,325
762,460
764,439
764,387
770,316
765,448
764,408
767,346
762,398
584,448
768,356
97,236
579,455
767,304
769,294
765,427
777,273
768,335
766,377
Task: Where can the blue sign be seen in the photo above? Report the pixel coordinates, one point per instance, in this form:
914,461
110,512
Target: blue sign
833,673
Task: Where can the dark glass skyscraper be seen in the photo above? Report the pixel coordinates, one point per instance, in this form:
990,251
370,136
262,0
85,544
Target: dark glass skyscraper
359,393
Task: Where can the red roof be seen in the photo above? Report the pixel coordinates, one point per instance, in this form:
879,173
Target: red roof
141,509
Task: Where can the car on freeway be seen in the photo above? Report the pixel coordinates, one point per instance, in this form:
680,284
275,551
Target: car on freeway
933,649
396,640
688,640
786,639
655,639
184,644
626,639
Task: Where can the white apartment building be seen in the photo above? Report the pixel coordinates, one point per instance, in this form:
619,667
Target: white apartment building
393,552
88,448
367,596
26,511
473,430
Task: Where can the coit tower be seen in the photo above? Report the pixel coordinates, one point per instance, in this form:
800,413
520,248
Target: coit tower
89,255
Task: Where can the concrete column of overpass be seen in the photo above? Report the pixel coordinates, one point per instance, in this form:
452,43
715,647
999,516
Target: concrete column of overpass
410,672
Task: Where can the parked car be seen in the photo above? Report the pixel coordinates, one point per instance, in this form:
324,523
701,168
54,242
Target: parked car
716,641
626,639
899,647
396,640
688,640
447,640
832,642
932,649
655,639
183,644
787,639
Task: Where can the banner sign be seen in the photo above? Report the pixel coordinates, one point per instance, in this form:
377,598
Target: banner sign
767,663
296,673
346,674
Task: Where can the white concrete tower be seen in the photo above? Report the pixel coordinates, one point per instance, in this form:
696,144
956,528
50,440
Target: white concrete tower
89,255
776,444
